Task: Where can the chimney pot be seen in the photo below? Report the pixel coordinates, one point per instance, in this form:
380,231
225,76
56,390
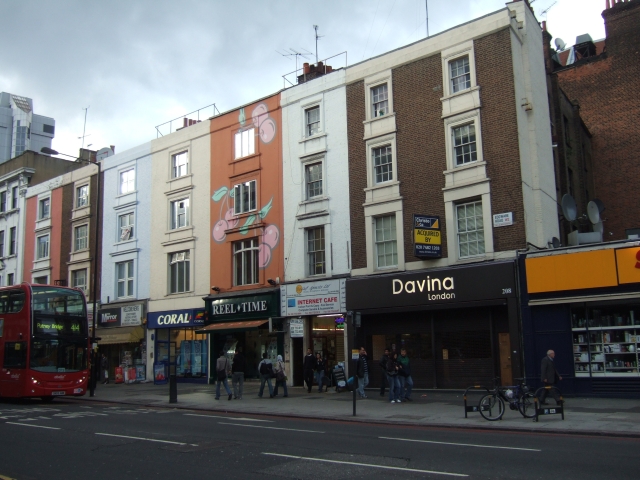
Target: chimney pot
113,148
306,68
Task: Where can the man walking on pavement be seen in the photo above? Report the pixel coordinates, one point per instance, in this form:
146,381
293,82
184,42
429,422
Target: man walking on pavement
265,367
404,375
104,366
237,374
383,365
362,371
222,371
308,367
549,377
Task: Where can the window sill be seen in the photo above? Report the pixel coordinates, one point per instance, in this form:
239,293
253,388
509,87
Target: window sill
246,157
460,93
127,193
313,137
81,250
379,186
378,126
173,179
466,166
180,229
174,294
319,198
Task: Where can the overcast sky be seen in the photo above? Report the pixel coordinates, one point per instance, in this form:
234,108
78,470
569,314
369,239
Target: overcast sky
139,63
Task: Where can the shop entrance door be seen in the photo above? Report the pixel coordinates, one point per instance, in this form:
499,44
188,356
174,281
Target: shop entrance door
506,373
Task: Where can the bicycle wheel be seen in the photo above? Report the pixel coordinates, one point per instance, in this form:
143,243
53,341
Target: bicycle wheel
491,407
527,405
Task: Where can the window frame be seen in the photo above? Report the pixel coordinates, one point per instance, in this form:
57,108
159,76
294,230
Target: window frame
251,250
77,239
239,138
378,142
74,276
2,241
177,168
389,152
452,78
130,182
10,279
308,181
127,280
450,124
186,271
14,198
312,261
13,233
38,280
238,192
452,54
3,201
82,201
372,92
175,215
130,226
456,207
377,242
462,145
373,82
39,255
308,130
41,203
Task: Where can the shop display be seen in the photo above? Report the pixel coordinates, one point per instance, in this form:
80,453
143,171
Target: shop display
606,341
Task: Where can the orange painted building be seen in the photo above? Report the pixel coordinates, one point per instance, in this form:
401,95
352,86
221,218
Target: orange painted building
247,256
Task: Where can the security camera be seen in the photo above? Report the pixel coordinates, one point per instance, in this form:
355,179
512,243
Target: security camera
215,289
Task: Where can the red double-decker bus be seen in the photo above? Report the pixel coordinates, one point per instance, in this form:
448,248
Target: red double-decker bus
44,341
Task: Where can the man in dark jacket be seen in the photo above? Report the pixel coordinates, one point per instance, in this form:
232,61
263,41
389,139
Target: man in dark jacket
383,365
237,374
362,371
404,375
308,367
549,377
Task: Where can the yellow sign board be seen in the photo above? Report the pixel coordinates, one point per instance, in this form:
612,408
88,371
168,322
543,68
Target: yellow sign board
628,263
432,237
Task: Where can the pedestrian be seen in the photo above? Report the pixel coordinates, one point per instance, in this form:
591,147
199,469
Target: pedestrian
237,373
223,369
362,371
281,377
265,367
308,368
104,366
392,378
549,377
383,371
320,368
404,375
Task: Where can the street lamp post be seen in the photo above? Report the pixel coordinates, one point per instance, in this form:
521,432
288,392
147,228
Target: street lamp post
94,366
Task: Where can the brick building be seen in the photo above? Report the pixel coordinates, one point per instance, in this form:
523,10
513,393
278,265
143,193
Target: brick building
451,172
602,86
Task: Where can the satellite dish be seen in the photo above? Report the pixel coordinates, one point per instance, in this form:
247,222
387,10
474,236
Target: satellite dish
560,45
593,212
599,203
555,241
569,207
598,227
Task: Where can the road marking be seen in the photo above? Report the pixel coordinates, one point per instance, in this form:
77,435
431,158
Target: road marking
462,444
29,425
357,464
141,438
270,428
229,418
2,477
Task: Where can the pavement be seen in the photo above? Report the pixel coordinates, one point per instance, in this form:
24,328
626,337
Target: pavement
583,416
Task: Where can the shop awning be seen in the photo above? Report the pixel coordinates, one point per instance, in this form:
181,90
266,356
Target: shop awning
119,335
247,325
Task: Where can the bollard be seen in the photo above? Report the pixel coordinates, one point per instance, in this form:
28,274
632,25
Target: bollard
173,389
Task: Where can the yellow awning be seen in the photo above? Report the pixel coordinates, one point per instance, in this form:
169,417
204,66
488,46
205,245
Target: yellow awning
110,336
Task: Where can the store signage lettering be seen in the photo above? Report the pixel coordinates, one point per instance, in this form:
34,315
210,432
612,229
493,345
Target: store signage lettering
177,318
245,307
426,285
503,219
313,298
427,237
174,319
108,317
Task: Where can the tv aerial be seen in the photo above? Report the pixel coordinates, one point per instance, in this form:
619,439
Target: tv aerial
295,53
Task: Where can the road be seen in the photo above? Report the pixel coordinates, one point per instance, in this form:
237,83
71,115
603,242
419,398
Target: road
72,440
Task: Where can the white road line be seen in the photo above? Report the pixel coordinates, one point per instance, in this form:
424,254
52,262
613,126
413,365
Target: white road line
29,425
229,418
357,464
270,428
141,438
462,444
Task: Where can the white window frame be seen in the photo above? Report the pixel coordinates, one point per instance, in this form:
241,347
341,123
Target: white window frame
82,200
465,204
370,84
126,232
15,195
13,241
39,254
454,77
387,140
75,275
379,242
454,147
307,125
311,254
306,166
3,238
238,192
377,101
127,181
450,125
248,251
245,143
127,280
180,168
176,213
3,200
452,54
175,260
78,243
41,202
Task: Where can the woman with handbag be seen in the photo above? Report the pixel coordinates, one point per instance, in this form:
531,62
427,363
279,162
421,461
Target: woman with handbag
281,377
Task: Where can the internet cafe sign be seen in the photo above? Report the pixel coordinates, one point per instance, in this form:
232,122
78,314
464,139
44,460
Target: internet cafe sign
313,298
129,315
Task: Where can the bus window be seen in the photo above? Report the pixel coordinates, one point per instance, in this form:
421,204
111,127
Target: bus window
15,355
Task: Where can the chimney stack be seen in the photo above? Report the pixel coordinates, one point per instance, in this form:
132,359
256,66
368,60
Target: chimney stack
621,20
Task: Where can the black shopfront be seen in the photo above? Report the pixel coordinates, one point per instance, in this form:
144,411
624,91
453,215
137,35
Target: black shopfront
460,326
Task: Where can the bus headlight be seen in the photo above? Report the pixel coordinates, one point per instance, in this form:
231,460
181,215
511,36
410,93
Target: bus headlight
35,381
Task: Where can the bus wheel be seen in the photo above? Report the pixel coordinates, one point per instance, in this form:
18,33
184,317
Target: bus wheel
47,399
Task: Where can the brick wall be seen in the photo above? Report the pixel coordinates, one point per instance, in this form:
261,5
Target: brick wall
66,234
357,172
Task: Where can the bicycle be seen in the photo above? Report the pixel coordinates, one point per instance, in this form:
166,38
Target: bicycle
518,397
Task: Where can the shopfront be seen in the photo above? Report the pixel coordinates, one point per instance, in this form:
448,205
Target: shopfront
584,303
249,321
122,340
316,317
460,326
177,343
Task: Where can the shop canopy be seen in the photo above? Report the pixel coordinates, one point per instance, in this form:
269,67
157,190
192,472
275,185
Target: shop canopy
109,336
240,325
